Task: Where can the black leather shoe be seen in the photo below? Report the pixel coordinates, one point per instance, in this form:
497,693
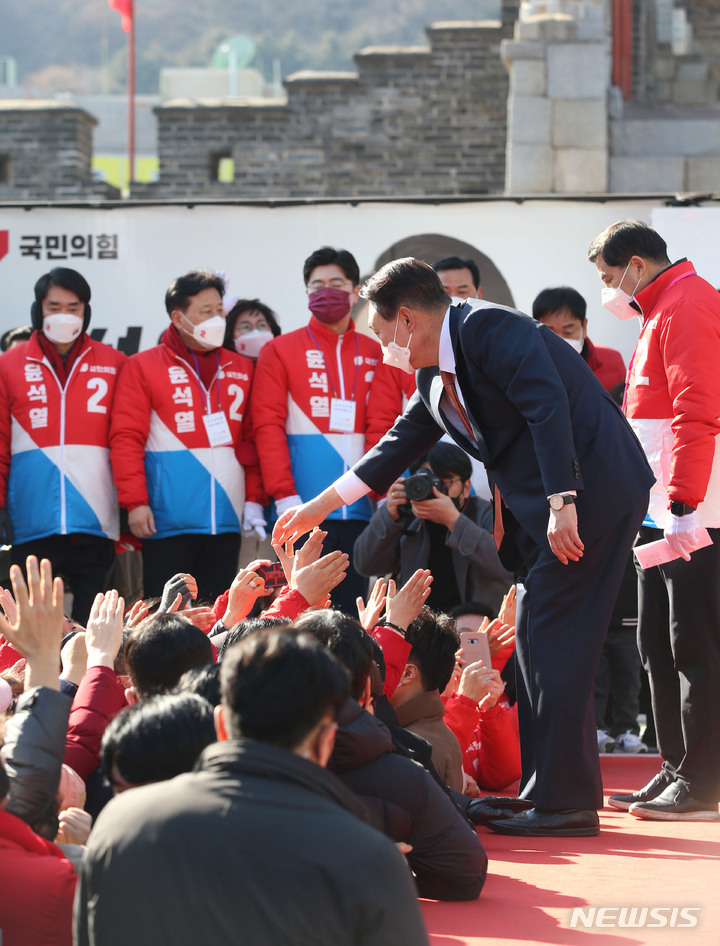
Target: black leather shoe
654,787
566,823
676,804
480,812
508,802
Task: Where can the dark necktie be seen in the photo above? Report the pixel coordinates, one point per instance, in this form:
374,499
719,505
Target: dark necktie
448,380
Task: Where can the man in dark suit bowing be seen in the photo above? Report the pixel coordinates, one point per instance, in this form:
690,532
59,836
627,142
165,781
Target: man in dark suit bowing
574,484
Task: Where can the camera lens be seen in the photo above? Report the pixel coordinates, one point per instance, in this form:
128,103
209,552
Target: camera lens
418,487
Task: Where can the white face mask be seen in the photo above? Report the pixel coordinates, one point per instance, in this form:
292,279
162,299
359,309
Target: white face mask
61,328
576,343
210,333
398,357
250,343
618,301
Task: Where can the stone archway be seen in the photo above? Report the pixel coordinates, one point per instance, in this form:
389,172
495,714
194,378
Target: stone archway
431,247
434,246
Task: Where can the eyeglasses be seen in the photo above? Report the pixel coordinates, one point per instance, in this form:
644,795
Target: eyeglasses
244,327
336,283
448,481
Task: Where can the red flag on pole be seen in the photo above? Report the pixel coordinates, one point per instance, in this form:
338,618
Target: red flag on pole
125,9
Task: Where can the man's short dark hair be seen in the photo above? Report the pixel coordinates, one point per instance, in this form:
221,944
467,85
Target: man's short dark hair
20,334
456,262
158,738
557,298
161,649
245,628
345,639
405,282
277,686
477,608
65,278
328,256
447,460
183,288
434,641
203,681
625,239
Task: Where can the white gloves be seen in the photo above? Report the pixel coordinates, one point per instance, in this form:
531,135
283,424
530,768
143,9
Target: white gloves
282,505
254,520
681,535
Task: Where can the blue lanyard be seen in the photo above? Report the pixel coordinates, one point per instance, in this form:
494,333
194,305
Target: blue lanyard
207,405
327,372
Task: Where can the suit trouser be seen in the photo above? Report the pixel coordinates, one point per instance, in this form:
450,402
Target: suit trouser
341,536
619,676
81,560
210,559
562,621
679,641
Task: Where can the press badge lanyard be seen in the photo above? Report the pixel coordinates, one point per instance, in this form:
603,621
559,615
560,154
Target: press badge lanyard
342,412
642,332
216,425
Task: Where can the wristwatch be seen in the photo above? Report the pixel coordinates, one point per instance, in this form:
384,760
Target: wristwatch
680,509
557,501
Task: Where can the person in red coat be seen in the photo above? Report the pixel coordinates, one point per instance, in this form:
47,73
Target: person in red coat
38,884
563,310
57,390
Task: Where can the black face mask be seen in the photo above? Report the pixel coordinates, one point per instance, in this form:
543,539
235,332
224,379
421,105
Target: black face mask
463,505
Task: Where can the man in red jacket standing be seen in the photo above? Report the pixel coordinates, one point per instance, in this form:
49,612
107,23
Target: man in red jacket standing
180,443
673,405
57,498
310,404
563,310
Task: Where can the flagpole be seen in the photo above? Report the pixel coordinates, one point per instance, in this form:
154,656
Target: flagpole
131,95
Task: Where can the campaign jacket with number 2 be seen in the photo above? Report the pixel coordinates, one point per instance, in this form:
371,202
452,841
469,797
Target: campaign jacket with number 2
55,476
298,375
159,445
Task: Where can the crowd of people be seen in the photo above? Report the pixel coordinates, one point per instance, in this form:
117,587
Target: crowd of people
202,736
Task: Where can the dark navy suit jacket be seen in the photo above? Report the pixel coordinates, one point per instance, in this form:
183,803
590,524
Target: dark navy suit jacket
543,424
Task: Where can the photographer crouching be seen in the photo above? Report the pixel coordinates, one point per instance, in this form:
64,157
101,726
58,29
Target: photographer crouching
430,520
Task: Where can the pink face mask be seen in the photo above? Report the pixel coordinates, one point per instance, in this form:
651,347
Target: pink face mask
617,301
250,343
396,355
329,305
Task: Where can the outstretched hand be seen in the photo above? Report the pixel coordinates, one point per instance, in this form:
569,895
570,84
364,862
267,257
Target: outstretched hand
508,608
317,580
403,606
246,588
369,614
298,520
182,584
499,636
36,632
136,614
104,633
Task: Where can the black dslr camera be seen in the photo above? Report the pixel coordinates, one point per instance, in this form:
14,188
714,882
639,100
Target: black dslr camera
419,487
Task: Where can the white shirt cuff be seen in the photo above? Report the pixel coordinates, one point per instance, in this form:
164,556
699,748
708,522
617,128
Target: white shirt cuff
350,488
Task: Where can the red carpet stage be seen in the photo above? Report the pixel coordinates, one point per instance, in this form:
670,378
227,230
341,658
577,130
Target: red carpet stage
534,886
